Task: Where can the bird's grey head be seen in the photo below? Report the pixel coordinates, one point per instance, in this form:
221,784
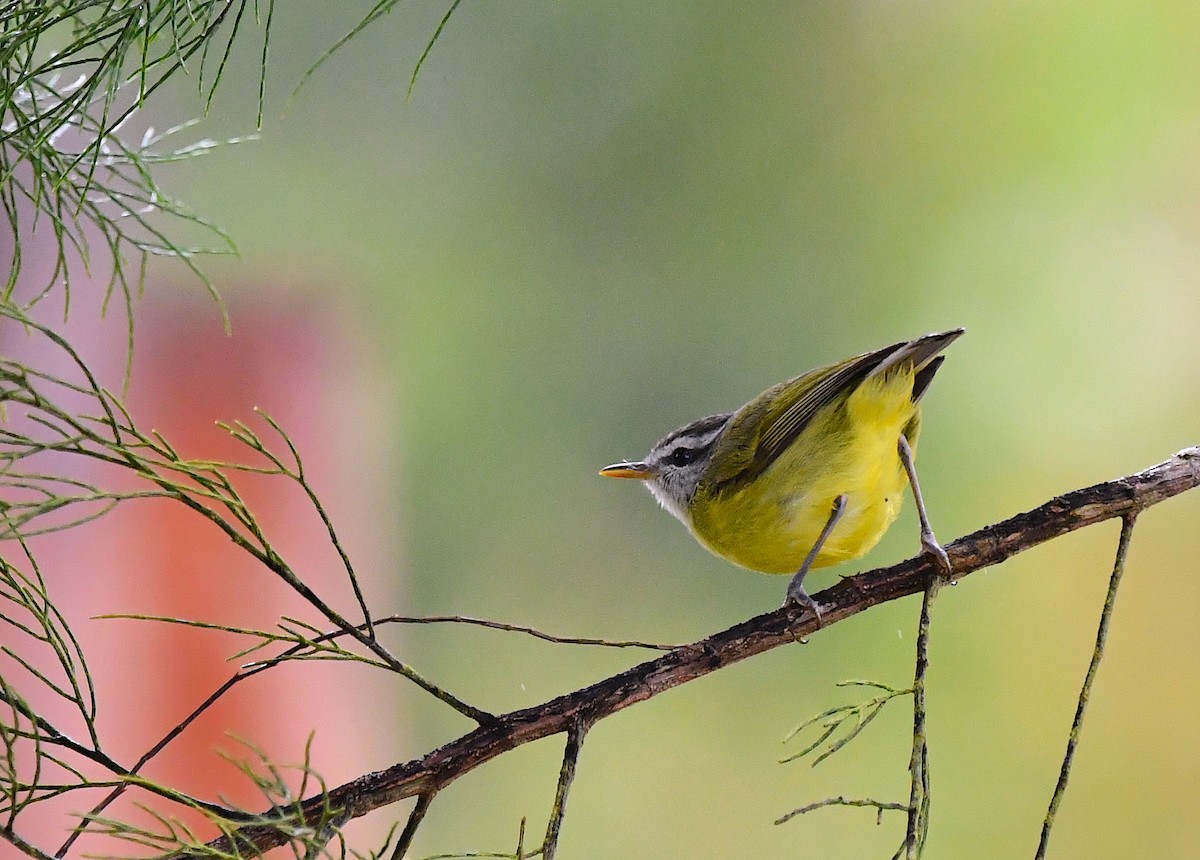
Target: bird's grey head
675,465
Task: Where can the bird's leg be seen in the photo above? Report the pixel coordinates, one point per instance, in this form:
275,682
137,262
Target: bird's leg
929,543
795,589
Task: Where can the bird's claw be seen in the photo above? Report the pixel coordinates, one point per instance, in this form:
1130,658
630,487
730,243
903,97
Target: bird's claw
931,547
797,596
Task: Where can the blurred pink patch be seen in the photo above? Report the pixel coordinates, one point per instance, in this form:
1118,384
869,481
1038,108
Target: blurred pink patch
156,557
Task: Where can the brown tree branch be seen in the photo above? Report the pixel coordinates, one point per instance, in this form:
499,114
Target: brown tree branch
988,546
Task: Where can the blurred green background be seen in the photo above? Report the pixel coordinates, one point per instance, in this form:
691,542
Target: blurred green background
595,222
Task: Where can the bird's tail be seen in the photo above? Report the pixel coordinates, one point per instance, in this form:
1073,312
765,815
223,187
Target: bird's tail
921,354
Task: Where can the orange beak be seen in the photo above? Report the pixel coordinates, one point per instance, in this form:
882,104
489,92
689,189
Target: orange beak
637,471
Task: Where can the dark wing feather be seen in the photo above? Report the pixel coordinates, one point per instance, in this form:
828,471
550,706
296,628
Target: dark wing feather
826,386
763,429
924,377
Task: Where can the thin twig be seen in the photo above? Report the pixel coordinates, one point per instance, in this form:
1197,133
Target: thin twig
918,765
519,854
1089,679
410,828
412,82
880,806
297,475
839,717
566,776
520,628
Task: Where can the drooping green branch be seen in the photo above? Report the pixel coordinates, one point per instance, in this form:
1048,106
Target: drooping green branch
74,75
57,423
44,425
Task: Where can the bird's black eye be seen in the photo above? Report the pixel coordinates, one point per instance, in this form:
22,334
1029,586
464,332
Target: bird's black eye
681,456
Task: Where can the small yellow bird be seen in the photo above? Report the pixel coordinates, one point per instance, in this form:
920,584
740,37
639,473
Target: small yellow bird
809,473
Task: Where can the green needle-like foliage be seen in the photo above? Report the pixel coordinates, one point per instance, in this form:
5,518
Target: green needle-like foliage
74,74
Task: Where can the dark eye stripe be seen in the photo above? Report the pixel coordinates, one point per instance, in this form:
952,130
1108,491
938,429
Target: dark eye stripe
691,443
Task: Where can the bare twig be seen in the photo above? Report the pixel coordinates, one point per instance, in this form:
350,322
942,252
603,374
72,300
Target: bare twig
566,776
410,828
1085,691
880,807
918,766
852,595
520,628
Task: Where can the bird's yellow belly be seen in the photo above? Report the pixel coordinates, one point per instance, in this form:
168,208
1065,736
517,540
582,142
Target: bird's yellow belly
774,533
771,523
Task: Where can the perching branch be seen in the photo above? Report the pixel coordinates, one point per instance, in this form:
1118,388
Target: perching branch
1123,497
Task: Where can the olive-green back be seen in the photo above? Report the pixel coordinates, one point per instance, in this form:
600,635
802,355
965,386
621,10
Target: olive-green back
763,429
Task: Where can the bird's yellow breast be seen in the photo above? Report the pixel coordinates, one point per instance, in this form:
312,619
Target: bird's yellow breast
770,523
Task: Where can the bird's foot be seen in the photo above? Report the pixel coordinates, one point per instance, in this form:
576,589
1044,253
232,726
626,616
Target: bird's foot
931,547
797,596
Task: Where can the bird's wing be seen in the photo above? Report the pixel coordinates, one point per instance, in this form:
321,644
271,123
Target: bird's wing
764,428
